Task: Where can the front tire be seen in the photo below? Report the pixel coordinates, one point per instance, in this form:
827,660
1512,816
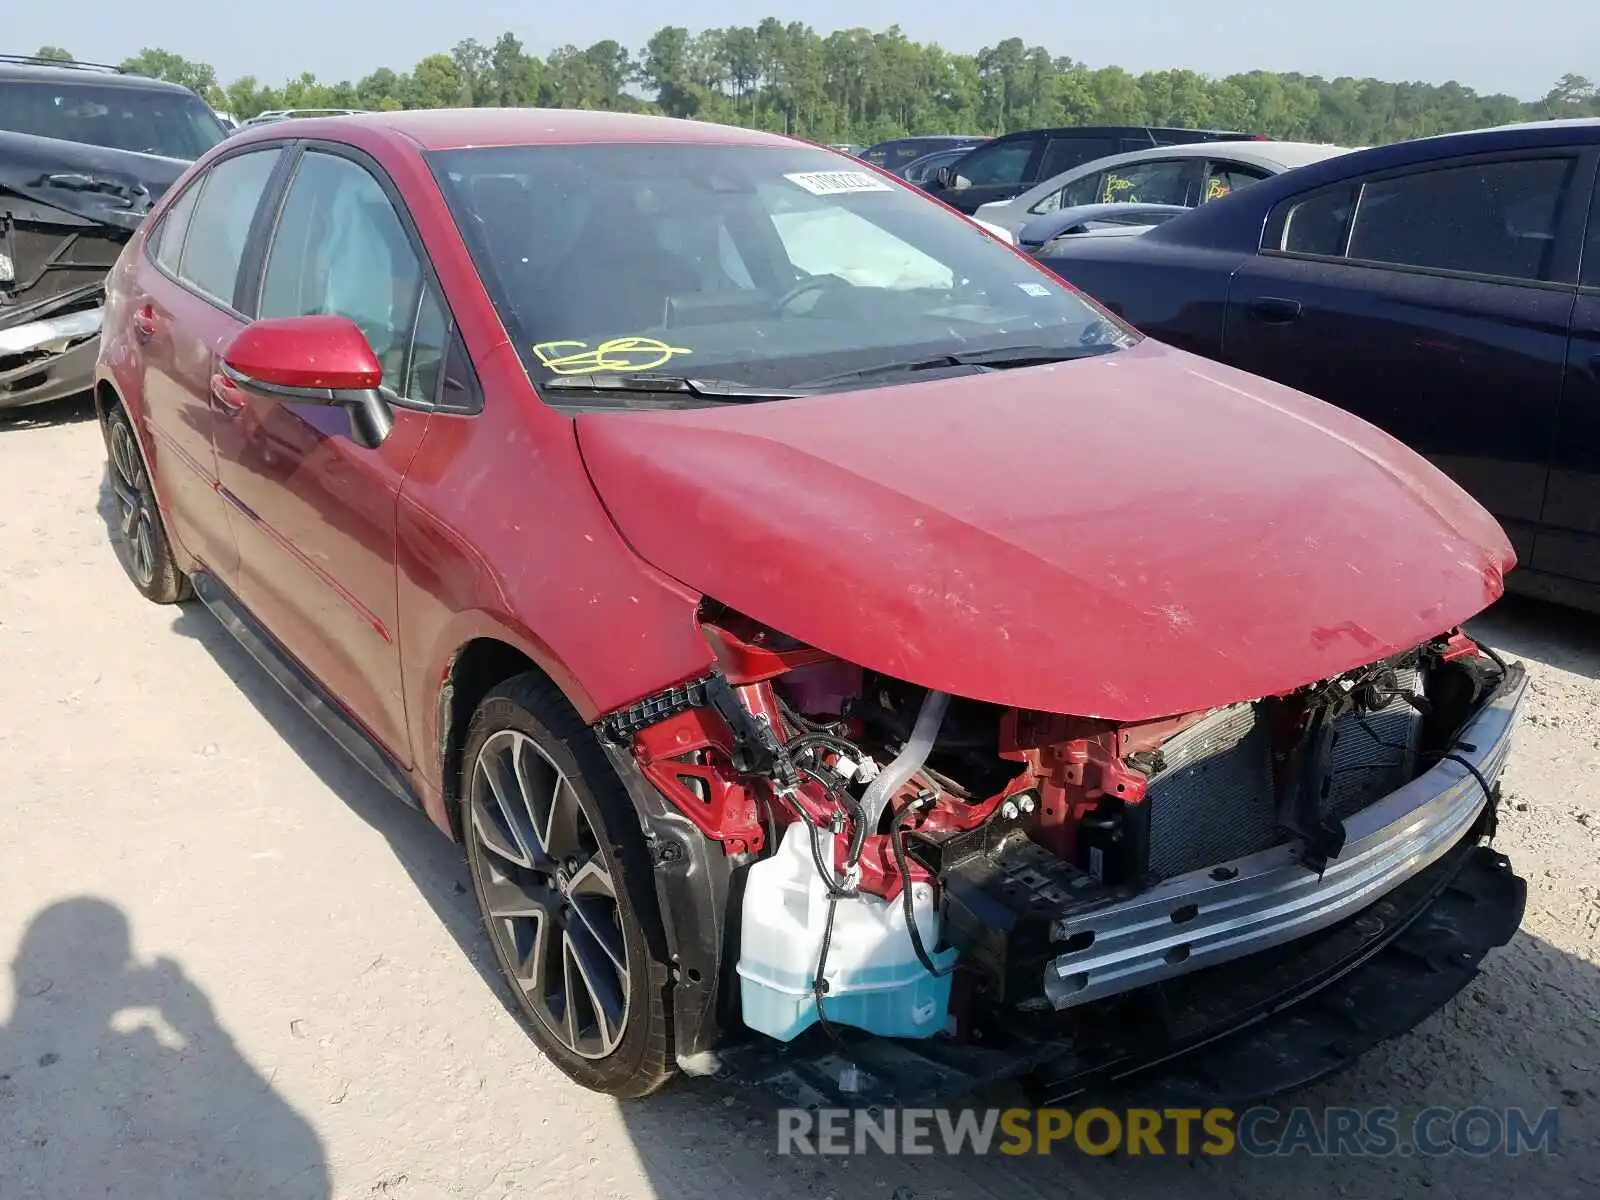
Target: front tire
142,547
565,889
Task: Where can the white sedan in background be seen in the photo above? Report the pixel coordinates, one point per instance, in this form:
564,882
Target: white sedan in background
1184,176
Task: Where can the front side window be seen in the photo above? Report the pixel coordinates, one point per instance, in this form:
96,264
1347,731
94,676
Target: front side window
927,167
1165,182
764,266
1494,218
220,224
340,249
148,120
1005,163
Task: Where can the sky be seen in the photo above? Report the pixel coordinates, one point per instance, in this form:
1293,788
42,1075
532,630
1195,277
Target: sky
1489,45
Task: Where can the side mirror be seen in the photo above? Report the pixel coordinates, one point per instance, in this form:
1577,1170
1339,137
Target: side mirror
314,360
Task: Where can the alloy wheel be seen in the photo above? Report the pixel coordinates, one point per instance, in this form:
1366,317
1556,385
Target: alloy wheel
549,896
136,522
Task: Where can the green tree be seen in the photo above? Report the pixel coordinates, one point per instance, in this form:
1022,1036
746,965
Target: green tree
53,54
858,85
174,68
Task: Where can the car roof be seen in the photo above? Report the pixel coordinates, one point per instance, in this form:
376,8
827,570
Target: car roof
13,72
932,137
1070,131
460,128
1225,222
1272,156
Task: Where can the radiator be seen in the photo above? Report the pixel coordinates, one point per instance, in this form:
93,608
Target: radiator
1214,800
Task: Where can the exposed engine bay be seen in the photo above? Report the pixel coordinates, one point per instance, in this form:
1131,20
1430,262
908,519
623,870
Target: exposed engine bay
895,840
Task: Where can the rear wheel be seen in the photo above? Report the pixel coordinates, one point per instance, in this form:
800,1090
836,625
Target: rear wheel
141,538
565,889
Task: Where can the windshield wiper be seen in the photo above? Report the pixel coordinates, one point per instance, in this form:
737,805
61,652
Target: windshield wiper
648,383
1000,358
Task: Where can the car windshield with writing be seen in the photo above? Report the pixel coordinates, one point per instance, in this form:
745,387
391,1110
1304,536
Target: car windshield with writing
770,269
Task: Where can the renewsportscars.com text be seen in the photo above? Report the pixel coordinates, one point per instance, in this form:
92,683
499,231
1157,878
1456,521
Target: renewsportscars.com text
1255,1132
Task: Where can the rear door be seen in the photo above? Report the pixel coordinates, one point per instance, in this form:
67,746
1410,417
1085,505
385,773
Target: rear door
184,307
1569,544
1062,153
1433,301
314,513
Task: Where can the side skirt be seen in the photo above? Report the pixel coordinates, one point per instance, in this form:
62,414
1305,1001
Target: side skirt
306,691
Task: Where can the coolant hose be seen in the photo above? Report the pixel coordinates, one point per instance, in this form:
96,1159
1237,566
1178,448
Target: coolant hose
905,764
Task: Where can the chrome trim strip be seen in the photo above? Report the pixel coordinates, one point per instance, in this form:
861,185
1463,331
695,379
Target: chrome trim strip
1199,920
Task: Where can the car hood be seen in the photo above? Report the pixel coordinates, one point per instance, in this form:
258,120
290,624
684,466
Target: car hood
91,183
1129,536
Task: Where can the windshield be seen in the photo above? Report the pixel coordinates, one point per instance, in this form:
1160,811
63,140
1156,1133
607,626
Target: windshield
764,266
146,120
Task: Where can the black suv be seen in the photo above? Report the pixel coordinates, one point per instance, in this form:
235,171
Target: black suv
85,150
1010,165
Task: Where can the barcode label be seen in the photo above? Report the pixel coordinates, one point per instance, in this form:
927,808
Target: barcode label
835,183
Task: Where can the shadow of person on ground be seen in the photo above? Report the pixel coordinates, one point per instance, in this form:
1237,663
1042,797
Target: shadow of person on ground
116,1080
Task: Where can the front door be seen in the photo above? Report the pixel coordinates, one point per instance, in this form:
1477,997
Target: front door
996,171
314,513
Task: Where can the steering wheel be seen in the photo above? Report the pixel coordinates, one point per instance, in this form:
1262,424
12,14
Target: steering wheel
808,285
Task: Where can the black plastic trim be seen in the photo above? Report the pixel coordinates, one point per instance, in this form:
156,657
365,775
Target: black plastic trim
306,691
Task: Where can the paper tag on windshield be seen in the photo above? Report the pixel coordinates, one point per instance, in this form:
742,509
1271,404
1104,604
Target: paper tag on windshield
835,183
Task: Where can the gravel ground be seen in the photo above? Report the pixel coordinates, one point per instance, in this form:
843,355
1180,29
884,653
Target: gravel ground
238,969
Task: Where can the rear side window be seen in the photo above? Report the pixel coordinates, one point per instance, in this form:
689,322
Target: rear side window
1591,252
1496,218
1062,154
1225,178
220,223
1317,224
167,242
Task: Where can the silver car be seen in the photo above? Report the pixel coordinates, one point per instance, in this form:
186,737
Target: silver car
1184,176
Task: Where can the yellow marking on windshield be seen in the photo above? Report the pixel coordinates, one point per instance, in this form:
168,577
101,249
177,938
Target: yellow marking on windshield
613,354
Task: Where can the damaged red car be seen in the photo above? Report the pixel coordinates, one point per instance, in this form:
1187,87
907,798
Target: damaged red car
857,665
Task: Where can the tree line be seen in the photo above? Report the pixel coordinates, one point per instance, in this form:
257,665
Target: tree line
854,85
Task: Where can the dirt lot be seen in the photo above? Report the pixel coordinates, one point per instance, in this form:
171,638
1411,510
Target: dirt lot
238,969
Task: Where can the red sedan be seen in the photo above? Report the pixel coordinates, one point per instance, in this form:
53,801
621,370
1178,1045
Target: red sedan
796,600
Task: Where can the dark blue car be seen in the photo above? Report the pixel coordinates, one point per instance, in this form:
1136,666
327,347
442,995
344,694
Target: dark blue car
902,152
1445,289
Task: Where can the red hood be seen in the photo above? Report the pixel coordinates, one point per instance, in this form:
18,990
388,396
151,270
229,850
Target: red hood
1129,536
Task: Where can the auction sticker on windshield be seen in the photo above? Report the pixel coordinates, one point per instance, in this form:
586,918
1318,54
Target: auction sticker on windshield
835,183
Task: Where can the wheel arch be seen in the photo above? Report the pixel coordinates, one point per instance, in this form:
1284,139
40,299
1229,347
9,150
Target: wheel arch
477,667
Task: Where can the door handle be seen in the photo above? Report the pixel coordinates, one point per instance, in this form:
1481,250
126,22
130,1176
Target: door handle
1275,310
229,395
145,323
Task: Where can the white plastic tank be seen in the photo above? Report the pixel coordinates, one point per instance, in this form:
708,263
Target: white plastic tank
875,980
